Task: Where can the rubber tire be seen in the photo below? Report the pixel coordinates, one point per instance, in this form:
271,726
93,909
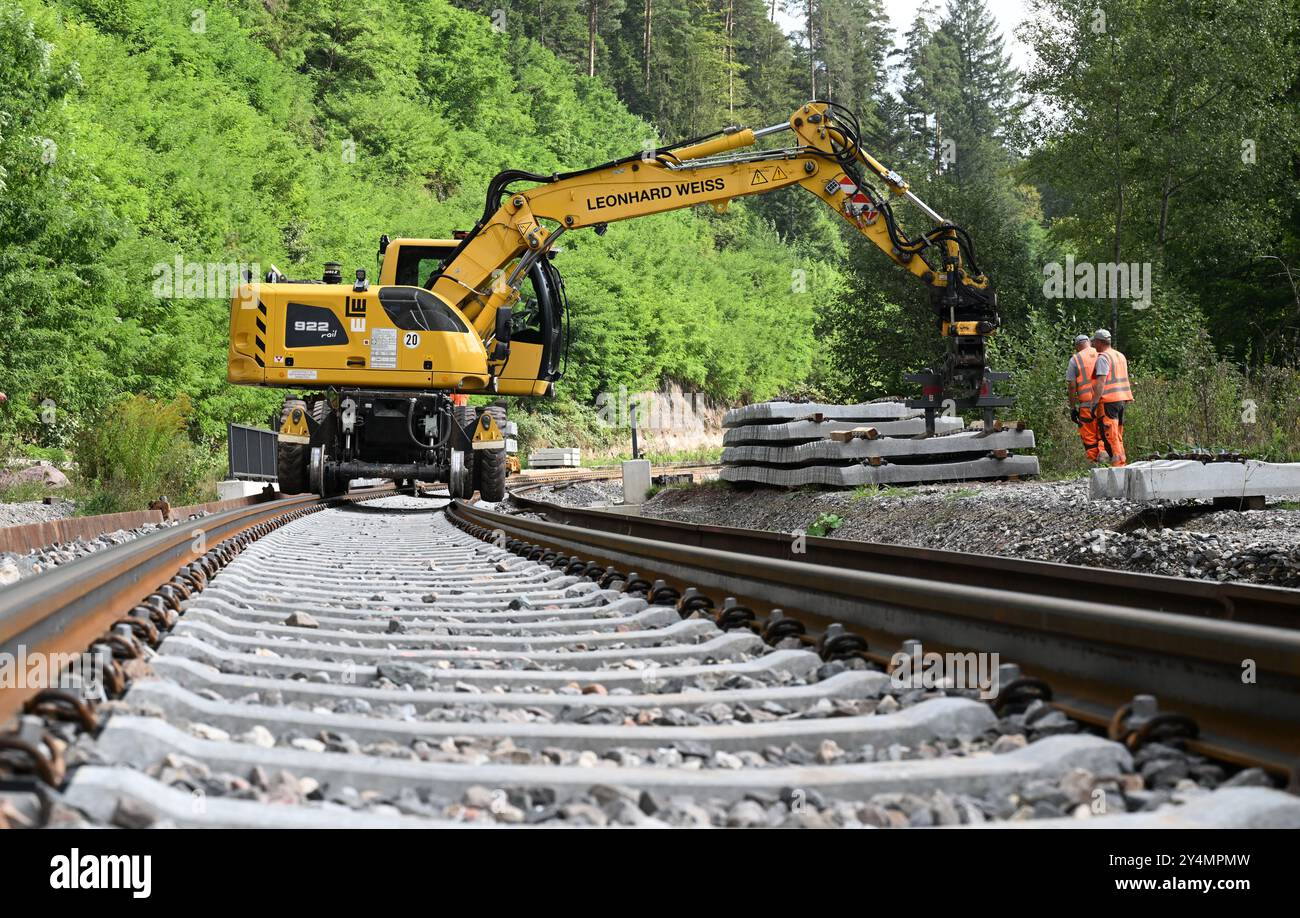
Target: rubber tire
490,464
291,458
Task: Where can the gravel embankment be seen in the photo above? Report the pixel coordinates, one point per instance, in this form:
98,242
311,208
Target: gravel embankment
1046,520
34,511
14,567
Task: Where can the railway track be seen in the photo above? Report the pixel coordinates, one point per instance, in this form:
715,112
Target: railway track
391,660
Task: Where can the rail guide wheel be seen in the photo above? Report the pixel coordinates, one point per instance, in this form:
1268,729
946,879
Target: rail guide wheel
460,476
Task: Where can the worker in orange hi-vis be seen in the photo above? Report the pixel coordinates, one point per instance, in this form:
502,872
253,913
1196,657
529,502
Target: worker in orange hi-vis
1082,387
1110,374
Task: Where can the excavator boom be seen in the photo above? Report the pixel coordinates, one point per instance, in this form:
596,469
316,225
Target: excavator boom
519,227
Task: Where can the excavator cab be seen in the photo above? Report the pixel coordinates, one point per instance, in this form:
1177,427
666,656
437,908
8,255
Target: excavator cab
536,333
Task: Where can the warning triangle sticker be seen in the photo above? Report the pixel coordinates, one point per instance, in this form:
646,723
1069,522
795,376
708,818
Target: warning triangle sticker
759,178
778,174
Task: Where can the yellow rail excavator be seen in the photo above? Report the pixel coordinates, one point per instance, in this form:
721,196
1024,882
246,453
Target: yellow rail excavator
485,313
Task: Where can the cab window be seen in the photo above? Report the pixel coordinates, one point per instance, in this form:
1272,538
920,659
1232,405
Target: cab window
416,264
526,320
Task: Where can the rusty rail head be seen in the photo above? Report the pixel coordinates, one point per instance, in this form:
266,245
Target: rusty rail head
67,609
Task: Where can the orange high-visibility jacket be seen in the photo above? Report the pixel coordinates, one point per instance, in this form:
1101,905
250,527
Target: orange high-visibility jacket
1115,388
1079,375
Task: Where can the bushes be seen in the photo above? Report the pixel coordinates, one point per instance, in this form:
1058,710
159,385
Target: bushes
1219,407
560,423
1208,404
138,450
1036,360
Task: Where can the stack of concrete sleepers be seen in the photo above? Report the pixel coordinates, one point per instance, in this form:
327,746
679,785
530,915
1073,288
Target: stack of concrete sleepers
792,444
555,458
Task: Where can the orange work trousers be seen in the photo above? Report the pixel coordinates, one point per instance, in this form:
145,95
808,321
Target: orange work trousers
1111,426
1090,434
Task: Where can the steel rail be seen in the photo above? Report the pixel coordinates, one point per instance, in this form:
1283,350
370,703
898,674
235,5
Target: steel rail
1251,603
1102,653
65,610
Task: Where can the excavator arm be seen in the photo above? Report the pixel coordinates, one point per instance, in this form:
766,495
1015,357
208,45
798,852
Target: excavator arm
519,227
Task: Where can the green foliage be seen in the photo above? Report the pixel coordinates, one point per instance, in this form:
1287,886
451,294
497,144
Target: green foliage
228,140
825,524
700,455
136,451
52,454
1141,130
133,133
1199,401
560,423
1218,407
945,136
22,492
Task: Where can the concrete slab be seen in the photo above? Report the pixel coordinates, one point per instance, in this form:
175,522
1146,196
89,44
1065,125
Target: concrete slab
98,791
776,412
804,431
555,458
636,481
1188,479
1107,484
856,475
232,489
143,741
821,451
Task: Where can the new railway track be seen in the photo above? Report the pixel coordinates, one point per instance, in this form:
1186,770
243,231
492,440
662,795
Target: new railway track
395,660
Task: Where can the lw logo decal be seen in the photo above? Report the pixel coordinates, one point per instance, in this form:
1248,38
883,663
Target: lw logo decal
355,309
